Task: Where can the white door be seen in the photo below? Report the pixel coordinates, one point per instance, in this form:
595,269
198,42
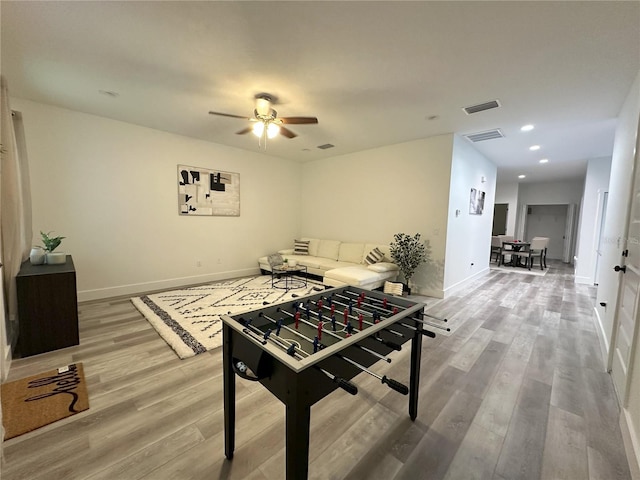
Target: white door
625,324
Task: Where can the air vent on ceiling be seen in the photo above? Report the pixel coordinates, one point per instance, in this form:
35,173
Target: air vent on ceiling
481,107
488,135
325,146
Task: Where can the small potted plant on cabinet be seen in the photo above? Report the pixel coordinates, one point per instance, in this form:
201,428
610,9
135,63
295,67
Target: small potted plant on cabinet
50,244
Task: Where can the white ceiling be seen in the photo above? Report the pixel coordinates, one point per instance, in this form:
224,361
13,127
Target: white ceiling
372,72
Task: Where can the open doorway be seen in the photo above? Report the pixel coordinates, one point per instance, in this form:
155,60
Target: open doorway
554,222
500,212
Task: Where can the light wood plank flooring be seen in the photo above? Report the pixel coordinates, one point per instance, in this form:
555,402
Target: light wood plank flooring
518,391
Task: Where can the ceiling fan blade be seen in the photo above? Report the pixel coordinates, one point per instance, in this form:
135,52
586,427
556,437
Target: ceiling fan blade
298,120
244,131
229,115
287,133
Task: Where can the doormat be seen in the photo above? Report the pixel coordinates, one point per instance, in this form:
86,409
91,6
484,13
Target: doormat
189,319
42,399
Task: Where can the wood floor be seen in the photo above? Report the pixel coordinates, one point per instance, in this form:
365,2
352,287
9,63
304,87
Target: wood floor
517,391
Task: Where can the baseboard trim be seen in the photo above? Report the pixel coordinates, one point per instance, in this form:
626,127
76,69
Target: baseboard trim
602,339
453,289
137,288
631,444
583,280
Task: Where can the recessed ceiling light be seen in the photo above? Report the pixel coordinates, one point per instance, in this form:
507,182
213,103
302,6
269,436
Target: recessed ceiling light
521,176
533,148
526,128
544,160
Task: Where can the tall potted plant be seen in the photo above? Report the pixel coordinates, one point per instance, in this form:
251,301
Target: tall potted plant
408,253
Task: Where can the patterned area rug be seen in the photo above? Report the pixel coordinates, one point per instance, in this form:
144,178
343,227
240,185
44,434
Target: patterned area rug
189,319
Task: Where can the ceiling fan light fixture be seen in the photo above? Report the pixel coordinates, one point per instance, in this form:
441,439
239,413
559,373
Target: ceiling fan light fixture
263,106
272,130
258,129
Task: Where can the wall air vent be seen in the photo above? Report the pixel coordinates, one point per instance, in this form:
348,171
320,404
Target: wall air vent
481,107
488,135
325,146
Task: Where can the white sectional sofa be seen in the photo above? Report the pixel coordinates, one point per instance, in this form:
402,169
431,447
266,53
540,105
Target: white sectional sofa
341,263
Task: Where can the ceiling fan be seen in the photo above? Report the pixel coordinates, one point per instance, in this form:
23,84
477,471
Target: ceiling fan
266,123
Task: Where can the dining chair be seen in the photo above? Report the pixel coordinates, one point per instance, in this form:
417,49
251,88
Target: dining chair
537,248
543,256
496,246
505,249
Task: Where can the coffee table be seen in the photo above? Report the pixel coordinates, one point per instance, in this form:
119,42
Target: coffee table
283,277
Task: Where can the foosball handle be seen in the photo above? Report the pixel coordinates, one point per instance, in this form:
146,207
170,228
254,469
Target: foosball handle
428,333
392,345
347,386
395,385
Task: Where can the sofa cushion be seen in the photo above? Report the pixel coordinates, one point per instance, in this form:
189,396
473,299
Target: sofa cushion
383,267
313,245
383,248
350,252
392,288
301,247
329,249
374,256
354,275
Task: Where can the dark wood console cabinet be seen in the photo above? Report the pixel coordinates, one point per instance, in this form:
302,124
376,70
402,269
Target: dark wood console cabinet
47,307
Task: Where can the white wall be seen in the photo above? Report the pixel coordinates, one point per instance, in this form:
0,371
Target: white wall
551,193
468,236
619,201
595,184
371,195
508,193
111,189
622,164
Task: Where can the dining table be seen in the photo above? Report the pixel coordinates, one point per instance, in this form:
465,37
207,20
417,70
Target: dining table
516,246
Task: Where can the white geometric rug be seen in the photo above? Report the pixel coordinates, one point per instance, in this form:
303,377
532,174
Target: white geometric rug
189,319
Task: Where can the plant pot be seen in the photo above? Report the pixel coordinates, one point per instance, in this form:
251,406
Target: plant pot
406,290
56,258
37,256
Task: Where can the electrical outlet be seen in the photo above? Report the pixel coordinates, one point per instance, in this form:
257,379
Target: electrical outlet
199,263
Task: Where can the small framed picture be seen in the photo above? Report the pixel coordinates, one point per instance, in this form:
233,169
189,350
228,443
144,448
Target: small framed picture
476,202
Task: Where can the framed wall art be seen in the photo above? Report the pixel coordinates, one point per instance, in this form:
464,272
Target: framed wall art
208,192
476,202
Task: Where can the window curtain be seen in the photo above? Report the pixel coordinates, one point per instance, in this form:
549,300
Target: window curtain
15,205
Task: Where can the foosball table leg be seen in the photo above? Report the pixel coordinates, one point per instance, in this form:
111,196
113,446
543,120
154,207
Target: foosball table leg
229,379
297,440
414,379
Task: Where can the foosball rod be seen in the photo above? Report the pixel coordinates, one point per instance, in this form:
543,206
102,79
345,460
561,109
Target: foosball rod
374,299
399,334
390,382
261,314
430,324
346,385
330,333
264,336
387,343
342,383
353,317
427,333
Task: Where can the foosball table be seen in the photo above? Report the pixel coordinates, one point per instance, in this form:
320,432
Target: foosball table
302,350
